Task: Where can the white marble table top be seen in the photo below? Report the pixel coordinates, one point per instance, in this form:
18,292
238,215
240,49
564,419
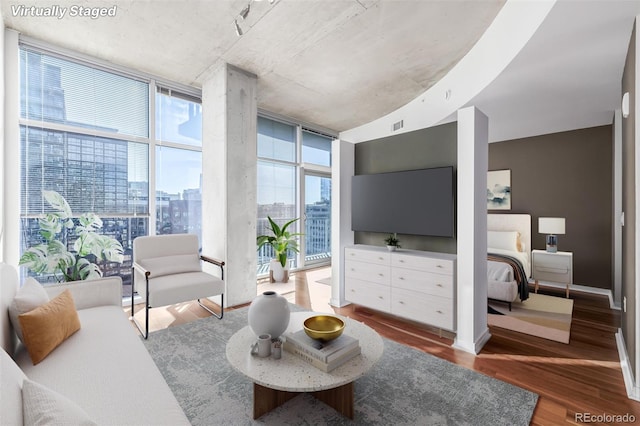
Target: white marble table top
292,374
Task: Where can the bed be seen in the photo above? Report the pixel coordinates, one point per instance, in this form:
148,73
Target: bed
509,256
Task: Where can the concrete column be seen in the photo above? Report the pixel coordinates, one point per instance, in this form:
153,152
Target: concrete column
342,169
229,174
473,161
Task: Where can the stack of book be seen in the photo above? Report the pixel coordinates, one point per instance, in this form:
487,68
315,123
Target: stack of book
323,355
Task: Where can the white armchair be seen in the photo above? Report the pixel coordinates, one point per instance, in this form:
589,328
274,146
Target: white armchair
167,270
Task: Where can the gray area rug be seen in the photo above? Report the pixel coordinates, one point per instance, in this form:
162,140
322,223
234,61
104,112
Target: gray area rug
406,387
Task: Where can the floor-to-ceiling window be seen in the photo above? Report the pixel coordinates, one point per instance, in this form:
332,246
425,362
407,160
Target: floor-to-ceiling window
294,181
90,133
316,170
178,163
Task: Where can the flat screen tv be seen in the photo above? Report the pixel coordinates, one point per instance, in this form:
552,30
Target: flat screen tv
414,202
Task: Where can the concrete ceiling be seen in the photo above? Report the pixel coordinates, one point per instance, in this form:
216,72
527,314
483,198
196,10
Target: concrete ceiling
337,64
343,63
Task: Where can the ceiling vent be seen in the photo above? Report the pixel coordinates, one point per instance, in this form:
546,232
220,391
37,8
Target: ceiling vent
397,126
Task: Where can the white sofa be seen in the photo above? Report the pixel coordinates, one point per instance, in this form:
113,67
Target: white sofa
104,367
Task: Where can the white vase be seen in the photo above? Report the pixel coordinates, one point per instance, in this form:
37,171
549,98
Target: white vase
269,314
391,248
277,270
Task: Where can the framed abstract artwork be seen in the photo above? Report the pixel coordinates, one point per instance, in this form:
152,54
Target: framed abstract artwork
499,190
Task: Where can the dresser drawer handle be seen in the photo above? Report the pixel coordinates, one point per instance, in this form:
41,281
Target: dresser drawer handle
438,285
401,302
401,278
381,258
353,254
559,270
382,275
401,261
439,311
380,297
439,266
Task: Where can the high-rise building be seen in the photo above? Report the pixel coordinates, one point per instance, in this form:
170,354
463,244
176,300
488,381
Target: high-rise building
90,172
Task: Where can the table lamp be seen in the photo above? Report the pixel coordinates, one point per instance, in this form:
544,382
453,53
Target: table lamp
551,226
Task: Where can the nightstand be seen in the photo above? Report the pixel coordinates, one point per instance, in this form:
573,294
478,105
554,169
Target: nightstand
555,267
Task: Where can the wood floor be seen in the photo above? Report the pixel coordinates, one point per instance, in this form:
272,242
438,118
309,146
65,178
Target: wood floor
581,378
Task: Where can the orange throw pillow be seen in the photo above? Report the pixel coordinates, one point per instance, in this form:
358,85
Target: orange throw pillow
48,325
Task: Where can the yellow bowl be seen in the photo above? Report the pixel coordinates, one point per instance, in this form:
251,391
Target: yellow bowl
323,327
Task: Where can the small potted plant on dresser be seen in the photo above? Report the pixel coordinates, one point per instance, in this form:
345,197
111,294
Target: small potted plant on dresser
392,242
281,241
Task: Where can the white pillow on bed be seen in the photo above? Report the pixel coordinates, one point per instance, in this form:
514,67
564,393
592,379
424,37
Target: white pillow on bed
504,240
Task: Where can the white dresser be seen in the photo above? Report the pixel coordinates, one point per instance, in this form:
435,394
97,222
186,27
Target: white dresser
411,284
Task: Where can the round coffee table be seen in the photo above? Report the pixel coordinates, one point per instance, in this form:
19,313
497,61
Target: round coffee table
275,381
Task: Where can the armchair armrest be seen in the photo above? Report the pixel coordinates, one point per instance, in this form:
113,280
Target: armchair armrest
220,263
91,293
216,262
138,267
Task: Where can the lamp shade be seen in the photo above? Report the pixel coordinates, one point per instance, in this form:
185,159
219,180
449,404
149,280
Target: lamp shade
551,225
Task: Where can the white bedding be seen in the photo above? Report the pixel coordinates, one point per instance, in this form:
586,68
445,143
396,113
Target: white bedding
499,271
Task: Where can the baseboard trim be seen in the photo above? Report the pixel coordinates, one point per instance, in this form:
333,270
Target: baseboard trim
584,289
633,391
336,303
473,347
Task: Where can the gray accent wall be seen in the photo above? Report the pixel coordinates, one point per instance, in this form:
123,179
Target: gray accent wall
628,205
567,174
420,149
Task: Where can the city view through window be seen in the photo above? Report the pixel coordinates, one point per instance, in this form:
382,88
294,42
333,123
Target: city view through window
278,186
85,133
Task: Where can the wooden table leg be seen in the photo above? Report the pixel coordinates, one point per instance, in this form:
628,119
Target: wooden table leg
567,290
266,399
340,399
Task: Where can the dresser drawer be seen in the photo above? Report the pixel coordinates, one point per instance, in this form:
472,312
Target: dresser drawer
421,307
379,274
368,294
425,282
429,264
557,274
369,256
552,267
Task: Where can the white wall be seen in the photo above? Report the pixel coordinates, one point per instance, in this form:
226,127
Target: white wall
342,169
471,278
10,229
2,141
617,210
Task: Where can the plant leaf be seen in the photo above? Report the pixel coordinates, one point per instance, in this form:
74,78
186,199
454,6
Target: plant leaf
107,248
274,227
50,226
286,225
57,202
89,222
87,270
283,259
35,258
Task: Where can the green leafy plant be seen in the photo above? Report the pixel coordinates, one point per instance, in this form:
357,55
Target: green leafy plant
392,240
281,240
52,256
